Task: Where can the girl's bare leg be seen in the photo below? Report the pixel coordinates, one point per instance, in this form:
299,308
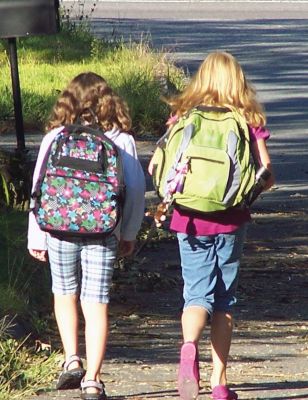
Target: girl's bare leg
96,331
221,333
66,312
193,322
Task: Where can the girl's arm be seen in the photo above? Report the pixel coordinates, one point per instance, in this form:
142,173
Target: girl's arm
133,211
150,166
36,237
262,157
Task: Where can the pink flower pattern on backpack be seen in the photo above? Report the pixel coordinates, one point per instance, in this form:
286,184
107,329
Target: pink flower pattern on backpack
75,200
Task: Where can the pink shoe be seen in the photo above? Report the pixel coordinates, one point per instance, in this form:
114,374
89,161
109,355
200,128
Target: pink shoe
222,392
188,377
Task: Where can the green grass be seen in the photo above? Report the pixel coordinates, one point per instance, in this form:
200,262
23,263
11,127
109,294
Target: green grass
23,370
24,292
24,282
48,63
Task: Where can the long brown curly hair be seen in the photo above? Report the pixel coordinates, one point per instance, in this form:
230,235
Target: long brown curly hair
89,99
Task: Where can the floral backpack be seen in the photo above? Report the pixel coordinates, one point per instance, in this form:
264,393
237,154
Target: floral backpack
80,192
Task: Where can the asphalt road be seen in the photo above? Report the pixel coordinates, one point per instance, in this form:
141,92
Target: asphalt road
270,39
191,10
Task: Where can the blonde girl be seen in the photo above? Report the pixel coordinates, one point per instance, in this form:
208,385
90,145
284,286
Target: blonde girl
82,270
211,245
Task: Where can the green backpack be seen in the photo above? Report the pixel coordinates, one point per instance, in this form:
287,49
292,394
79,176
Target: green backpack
204,163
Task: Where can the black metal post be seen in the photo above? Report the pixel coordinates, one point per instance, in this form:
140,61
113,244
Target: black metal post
16,95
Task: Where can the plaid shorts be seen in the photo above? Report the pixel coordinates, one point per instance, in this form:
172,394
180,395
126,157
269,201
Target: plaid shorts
83,267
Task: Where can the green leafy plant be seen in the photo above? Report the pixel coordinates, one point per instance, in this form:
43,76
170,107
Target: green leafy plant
23,370
24,283
5,189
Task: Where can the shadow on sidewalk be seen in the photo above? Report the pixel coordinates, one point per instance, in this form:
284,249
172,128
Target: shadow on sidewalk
275,387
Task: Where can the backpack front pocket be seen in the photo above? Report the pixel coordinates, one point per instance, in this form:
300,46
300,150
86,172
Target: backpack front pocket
208,173
77,206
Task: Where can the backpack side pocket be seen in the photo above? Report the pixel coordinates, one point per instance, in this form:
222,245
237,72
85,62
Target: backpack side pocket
158,161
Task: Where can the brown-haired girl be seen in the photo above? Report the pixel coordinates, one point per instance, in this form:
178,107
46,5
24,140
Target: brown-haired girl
82,269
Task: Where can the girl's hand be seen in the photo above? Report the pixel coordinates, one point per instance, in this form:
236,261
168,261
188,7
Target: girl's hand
126,247
40,255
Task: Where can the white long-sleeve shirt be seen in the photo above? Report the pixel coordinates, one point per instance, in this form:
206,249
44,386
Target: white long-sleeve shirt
133,210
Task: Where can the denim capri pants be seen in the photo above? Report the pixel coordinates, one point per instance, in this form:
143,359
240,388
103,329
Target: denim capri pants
210,269
83,267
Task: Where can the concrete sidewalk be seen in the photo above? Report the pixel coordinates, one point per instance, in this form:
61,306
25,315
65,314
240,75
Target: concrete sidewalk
270,345
269,354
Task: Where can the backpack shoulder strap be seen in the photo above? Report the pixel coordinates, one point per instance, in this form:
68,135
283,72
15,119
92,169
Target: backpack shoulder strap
187,134
242,125
36,190
79,128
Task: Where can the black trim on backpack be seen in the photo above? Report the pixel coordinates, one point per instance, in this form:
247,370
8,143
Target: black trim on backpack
212,109
96,130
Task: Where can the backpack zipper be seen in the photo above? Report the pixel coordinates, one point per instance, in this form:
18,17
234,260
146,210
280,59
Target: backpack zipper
207,159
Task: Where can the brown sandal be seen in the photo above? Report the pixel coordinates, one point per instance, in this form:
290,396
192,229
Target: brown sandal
71,378
100,395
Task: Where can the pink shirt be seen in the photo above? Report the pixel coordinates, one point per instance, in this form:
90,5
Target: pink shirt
217,222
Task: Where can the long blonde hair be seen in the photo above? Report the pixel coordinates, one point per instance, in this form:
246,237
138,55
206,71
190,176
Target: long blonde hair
220,81
88,98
